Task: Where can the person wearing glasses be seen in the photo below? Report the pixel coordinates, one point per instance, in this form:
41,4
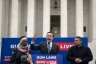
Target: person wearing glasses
78,54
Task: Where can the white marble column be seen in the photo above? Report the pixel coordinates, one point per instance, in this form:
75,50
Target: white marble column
92,45
31,18
1,17
79,18
63,26
46,17
14,24
93,12
1,2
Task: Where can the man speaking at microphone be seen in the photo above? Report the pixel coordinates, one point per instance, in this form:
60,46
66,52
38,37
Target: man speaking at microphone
49,47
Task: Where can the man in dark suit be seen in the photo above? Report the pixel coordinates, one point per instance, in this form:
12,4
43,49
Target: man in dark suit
79,54
49,47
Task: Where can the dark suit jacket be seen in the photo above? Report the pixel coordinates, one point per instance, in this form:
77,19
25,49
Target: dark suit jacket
44,49
84,53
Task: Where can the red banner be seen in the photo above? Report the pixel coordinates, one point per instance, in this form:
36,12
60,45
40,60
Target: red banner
46,62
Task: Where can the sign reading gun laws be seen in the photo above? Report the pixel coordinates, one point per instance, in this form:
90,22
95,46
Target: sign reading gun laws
46,59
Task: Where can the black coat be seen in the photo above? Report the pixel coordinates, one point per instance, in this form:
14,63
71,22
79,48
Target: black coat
84,53
19,57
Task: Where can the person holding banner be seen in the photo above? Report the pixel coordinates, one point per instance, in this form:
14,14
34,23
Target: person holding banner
49,47
22,55
79,54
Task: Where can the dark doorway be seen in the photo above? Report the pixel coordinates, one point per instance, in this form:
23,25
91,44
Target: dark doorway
55,25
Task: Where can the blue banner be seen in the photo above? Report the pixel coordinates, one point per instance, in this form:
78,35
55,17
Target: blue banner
8,44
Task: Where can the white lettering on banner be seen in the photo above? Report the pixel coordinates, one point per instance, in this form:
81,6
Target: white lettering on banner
46,57
65,46
7,58
50,57
40,57
13,46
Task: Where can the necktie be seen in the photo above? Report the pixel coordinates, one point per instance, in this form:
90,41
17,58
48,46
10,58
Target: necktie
49,48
